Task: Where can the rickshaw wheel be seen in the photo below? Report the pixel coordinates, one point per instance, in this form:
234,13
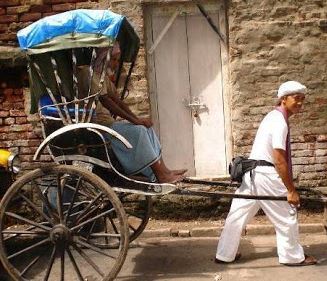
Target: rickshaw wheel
46,219
137,208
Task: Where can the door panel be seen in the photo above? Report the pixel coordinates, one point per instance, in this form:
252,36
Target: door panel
172,82
185,69
206,85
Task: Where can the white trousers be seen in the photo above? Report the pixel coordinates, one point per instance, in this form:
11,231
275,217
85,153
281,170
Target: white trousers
278,212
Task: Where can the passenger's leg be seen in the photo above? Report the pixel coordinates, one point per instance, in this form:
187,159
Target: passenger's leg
164,175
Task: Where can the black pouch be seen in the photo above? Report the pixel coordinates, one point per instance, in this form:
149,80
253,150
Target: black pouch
239,166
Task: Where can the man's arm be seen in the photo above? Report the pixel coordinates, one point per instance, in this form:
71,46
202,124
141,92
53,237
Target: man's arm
281,166
115,109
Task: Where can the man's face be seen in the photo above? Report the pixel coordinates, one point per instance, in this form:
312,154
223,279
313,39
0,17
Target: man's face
294,102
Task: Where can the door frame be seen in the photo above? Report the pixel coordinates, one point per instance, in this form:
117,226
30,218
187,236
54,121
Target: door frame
189,7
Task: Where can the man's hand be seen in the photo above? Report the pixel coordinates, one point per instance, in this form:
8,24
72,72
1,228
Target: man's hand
293,198
145,122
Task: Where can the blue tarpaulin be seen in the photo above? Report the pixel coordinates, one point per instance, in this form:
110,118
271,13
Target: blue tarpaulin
103,22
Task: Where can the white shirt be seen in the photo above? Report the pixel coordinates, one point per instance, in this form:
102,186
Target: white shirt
271,134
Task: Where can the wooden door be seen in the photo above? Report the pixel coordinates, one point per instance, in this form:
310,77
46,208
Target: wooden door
186,70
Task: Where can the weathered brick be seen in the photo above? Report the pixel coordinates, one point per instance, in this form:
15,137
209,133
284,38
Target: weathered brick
49,14
30,17
61,1
322,138
4,129
33,135
26,158
15,112
33,142
5,3
41,8
63,7
18,91
21,128
4,113
13,99
8,18
2,11
8,37
27,150
85,5
9,121
18,10
21,120
45,158
3,27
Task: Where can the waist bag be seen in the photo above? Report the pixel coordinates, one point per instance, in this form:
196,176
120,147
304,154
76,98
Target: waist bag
240,165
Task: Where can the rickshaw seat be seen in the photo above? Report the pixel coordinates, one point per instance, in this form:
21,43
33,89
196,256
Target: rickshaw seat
48,108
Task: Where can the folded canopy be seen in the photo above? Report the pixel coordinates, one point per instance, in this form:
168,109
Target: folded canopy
54,37
77,29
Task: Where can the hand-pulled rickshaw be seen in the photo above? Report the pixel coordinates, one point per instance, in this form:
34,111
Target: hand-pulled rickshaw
70,217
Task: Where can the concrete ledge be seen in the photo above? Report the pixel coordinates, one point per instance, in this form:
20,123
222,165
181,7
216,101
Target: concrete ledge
259,229
165,232
253,229
206,231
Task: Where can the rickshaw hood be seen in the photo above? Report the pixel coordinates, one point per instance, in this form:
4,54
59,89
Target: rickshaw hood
73,29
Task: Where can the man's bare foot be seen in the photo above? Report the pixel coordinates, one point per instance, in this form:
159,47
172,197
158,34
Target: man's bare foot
179,172
169,178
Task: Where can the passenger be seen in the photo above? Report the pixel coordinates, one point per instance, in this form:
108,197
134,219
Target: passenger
272,144
145,156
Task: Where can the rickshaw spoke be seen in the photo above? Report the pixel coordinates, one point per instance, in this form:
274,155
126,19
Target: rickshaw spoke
10,214
62,264
88,214
113,224
46,202
22,232
132,228
87,208
15,235
92,247
79,191
106,231
92,219
90,231
73,199
30,265
59,192
72,259
51,261
105,234
29,248
30,203
88,260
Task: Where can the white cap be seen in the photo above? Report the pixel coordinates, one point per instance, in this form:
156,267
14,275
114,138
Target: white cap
291,87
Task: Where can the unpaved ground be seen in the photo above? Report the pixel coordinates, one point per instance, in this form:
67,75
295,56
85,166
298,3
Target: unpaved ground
304,216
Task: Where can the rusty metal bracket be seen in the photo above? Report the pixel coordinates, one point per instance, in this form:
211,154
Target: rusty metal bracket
211,23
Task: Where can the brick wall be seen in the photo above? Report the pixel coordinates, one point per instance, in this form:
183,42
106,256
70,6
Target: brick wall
270,41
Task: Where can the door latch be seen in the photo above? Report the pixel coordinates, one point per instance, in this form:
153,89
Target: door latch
195,105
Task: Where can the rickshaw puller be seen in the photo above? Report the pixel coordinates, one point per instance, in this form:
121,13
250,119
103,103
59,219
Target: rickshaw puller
272,144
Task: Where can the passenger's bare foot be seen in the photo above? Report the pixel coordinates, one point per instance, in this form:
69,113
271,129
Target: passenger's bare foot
179,172
169,178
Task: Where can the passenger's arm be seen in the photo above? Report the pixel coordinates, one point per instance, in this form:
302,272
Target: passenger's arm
115,109
281,165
